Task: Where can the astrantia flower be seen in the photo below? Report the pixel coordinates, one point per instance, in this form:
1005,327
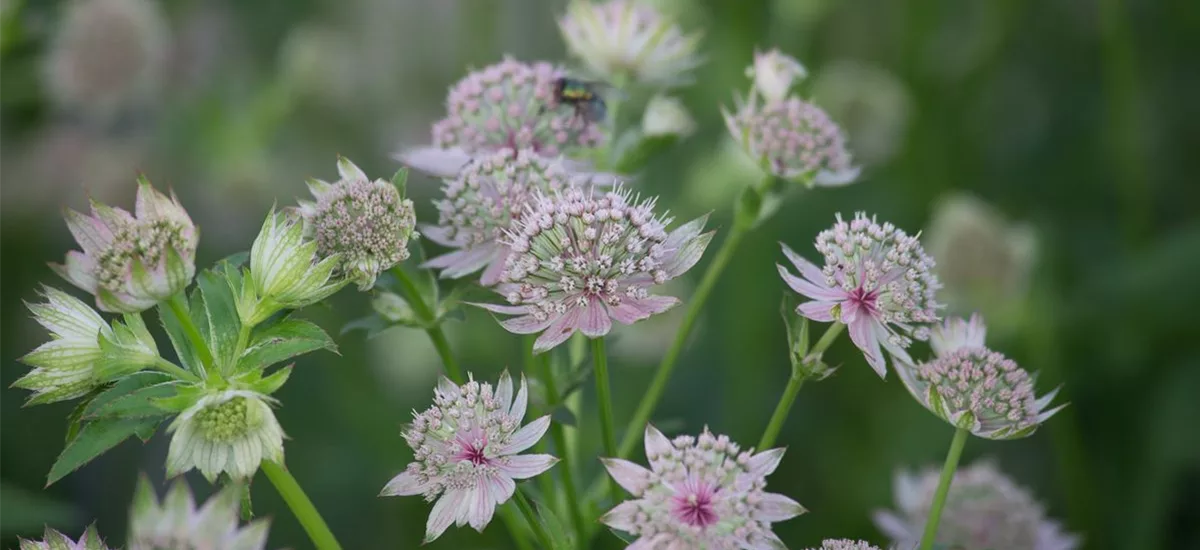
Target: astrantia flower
793,140
870,104
629,39
579,261
230,431
984,509
132,262
64,366
877,281
177,524
975,388
774,73
701,494
285,270
511,106
53,540
365,223
481,203
466,452
846,544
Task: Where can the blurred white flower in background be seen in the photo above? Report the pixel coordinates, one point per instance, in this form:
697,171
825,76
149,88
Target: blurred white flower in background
666,116
774,73
870,103
628,40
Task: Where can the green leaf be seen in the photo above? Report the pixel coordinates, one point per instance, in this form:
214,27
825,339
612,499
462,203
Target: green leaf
173,326
560,535
121,389
563,415
222,317
372,325
94,439
400,180
281,341
138,403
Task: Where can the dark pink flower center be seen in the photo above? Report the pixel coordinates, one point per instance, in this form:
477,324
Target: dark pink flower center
693,504
470,448
863,299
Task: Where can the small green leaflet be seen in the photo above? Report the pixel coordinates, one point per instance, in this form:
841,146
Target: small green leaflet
222,317
97,437
283,340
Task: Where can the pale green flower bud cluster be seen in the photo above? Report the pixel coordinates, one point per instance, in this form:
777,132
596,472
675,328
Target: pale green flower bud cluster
53,540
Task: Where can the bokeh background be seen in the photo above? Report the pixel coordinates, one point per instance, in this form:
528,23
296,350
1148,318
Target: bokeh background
1076,122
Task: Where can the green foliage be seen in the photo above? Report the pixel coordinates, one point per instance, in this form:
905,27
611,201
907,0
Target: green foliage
281,340
95,438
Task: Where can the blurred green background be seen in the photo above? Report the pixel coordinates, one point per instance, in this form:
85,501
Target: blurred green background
1076,118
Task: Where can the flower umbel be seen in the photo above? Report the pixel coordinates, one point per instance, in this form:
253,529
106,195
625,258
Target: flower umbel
975,388
792,139
774,73
629,40
466,452
481,203
846,544
53,540
579,261
64,366
701,493
366,224
510,106
132,262
230,431
877,280
177,524
984,509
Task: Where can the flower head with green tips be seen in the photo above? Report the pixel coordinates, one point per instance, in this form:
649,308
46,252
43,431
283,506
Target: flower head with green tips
177,524
629,39
285,270
365,223
229,432
53,540
467,449
975,388
130,262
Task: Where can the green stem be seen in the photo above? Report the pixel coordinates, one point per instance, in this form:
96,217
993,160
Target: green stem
180,309
658,385
174,370
939,498
781,412
513,523
546,482
534,524
425,312
242,341
604,397
301,507
827,339
558,434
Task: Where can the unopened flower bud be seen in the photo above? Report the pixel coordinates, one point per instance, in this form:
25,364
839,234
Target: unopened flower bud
774,73
227,432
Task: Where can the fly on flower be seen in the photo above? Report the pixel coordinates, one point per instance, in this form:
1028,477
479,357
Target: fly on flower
584,95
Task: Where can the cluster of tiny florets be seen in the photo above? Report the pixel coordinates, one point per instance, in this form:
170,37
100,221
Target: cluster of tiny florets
146,241
887,266
367,223
984,509
455,440
224,422
794,138
578,246
512,105
481,203
701,493
629,39
846,544
985,383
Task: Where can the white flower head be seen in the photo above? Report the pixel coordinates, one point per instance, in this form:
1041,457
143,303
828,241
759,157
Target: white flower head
701,493
230,432
467,449
845,544
176,523
629,39
984,509
365,223
130,262
774,73
285,270
64,367
975,388
666,116
53,540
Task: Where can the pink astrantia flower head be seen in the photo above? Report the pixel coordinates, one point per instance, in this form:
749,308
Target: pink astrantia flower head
466,452
132,262
877,280
580,260
510,106
845,544
481,203
700,493
984,509
792,139
365,223
975,388
629,39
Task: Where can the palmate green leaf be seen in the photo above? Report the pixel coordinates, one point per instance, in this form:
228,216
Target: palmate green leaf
182,345
221,315
97,437
136,404
102,402
283,340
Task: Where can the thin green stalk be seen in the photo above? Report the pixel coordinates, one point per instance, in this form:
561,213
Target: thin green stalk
513,523
531,517
939,498
604,397
558,434
546,482
301,507
242,341
827,339
425,312
781,411
658,385
180,309
175,370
